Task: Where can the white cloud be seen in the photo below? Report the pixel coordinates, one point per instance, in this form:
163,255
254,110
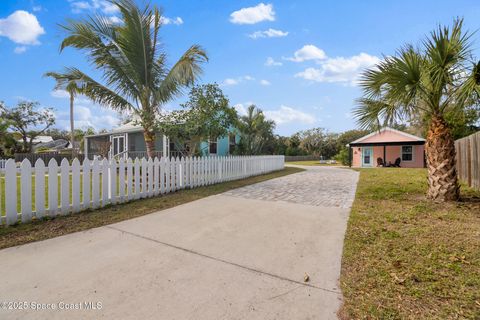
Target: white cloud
177,21
21,27
37,8
115,20
60,94
265,82
252,15
20,50
93,5
241,109
285,115
235,81
270,33
308,52
88,114
272,63
340,69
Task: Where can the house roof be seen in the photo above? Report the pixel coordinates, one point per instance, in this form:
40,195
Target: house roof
388,135
127,127
53,145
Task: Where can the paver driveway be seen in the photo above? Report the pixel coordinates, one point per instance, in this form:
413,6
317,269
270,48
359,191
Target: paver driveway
238,255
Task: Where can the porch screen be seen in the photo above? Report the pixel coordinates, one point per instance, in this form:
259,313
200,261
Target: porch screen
407,153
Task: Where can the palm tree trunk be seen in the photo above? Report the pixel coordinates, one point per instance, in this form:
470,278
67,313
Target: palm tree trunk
72,134
442,175
149,137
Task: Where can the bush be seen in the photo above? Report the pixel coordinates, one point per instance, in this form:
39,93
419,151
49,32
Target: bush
343,157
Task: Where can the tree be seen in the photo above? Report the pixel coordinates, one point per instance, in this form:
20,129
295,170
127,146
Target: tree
129,54
428,82
28,121
319,142
345,138
72,86
255,130
206,115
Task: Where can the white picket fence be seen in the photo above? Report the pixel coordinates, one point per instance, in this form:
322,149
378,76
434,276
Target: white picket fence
2,163
95,184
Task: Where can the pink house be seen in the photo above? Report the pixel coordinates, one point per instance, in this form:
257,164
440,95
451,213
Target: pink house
388,147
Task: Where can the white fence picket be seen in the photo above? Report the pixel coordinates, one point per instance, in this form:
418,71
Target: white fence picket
121,180
39,189
52,188
11,192
64,187
112,176
137,178
75,185
105,182
86,183
95,183
26,190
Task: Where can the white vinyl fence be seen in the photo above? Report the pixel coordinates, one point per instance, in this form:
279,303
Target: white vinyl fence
66,189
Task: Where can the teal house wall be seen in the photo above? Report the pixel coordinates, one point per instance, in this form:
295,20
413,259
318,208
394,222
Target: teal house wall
222,144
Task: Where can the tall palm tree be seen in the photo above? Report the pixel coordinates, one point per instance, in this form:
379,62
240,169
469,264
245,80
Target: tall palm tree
426,83
135,74
73,87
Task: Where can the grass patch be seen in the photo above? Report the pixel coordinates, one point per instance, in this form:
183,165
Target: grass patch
313,163
49,228
406,257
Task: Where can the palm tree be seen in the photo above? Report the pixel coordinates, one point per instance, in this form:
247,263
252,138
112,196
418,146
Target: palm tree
73,87
256,130
425,83
135,74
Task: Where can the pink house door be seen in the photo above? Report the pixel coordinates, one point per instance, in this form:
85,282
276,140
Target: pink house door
367,155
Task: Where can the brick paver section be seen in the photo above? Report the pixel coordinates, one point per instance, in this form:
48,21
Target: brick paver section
317,186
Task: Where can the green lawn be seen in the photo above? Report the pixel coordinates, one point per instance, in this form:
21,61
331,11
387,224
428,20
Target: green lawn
49,228
406,257
312,163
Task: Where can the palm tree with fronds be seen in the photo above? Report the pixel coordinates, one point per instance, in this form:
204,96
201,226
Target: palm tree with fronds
136,77
425,82
256,130
72,87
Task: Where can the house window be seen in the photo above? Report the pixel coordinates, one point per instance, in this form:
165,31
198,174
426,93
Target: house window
231,143
212,146
407,153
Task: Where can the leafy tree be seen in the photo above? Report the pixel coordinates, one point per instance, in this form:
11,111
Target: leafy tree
430,81
293,146
319,142
28,120
8,143
344,139
129,55
206,115
256,132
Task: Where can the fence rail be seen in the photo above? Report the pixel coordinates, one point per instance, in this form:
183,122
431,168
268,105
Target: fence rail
70,188
301,158
468,160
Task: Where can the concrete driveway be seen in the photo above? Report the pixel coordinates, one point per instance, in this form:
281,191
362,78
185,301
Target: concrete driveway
239,255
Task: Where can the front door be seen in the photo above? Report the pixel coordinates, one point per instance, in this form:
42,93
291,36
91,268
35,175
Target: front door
367,155
118,145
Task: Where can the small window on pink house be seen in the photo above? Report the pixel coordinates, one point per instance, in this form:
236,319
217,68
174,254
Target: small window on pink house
407,153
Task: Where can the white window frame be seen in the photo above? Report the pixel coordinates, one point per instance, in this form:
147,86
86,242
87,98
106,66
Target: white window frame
401,153
209,142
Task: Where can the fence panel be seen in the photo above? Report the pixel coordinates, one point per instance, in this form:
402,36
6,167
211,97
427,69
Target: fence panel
72,186
468,160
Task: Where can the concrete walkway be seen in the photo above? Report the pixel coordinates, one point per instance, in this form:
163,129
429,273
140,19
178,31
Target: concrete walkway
238,255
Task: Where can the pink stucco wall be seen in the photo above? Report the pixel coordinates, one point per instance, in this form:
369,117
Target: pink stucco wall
392,153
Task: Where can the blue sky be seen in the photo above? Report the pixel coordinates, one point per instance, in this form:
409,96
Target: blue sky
296,60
